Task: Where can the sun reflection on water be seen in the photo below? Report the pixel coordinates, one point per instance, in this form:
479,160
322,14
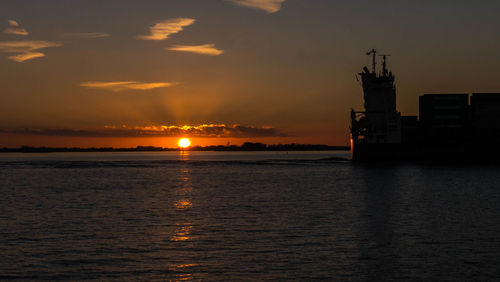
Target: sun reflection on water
183,204
182,234
185,277
182,201
180,266
184,155
181,270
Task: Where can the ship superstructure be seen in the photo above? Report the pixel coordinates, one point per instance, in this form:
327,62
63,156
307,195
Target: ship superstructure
380,122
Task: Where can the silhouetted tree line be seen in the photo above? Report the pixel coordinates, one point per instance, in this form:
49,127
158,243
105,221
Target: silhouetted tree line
248,146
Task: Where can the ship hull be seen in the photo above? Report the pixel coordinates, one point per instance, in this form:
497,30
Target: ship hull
363,152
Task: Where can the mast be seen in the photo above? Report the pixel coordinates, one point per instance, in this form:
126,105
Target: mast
373,53
385,72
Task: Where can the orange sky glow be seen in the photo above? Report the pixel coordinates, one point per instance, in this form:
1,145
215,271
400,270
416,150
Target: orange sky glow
139,73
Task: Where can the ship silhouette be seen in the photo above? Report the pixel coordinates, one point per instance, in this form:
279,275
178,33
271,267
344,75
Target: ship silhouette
448,127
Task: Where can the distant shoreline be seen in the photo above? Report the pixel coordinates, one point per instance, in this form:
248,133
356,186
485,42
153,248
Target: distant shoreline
247,147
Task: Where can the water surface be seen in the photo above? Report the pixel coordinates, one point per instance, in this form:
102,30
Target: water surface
245,216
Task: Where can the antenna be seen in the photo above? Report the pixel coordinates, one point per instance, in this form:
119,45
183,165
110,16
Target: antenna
384,64
373,53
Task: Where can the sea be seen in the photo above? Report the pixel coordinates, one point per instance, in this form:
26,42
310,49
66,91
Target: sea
245,216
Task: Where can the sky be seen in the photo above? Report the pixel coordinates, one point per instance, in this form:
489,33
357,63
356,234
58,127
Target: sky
122,73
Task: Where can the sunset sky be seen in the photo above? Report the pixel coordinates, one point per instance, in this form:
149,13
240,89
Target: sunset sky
147,72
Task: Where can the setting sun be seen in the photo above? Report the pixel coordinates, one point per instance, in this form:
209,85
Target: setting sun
184,143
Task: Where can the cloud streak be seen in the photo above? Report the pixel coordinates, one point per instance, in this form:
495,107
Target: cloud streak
270,6
26,56
117,86
26,49
15,29
204,130
87,35
206,49
163,29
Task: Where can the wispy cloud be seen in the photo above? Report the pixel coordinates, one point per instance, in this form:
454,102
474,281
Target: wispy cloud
206,49
26,46
26,56
117,86
87,35
204,130
163,29
270,6
26,49
14,28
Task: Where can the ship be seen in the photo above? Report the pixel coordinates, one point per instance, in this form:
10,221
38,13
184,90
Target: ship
450,127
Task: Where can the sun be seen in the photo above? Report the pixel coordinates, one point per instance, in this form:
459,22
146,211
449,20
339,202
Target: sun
184,143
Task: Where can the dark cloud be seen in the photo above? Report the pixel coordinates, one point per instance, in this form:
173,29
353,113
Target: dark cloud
214,131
